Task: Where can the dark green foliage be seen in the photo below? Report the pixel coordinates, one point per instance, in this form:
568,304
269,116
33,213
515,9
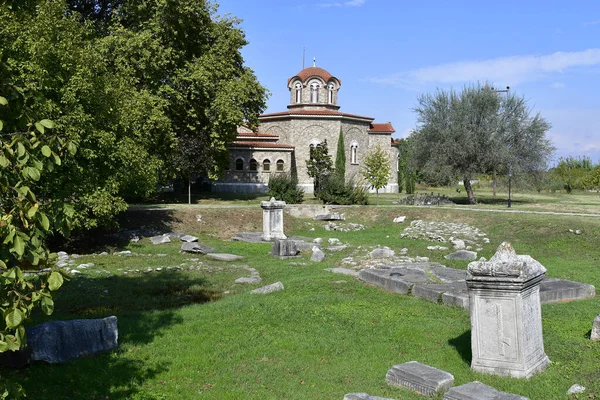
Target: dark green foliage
126,81
320,166
340,158
338,191
574,173
284,187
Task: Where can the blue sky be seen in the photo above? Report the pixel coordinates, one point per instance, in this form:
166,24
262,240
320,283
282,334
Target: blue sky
387,52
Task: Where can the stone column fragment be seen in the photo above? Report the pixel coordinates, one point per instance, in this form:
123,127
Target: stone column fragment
506,317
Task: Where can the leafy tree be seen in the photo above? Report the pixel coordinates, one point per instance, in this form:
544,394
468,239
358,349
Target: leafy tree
573,172
340,158
25,221
406,169
376,169
478,131
319,166
126,80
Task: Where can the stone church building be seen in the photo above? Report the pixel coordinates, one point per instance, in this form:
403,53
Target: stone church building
283,139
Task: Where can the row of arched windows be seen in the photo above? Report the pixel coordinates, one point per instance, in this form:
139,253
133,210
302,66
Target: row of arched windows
253,165
353,150
314,92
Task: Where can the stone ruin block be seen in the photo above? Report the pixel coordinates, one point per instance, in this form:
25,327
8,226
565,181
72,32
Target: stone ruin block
596,329
506,316
479,391
421,378
285,248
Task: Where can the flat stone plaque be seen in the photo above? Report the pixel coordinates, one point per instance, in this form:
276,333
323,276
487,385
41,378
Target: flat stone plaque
479,391
419,377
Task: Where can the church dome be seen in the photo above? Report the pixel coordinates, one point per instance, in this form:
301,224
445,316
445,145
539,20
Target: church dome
310,72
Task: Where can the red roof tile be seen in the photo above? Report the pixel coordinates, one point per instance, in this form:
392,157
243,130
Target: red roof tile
382,128
256,135
314,112
314,71
269,145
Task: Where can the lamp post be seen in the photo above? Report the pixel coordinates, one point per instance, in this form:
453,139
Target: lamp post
509,179
509,170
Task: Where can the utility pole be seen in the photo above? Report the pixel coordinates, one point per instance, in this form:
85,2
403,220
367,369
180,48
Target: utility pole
509,170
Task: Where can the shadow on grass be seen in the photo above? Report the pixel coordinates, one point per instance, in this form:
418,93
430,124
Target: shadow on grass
462,344
145,306
131,223
492,201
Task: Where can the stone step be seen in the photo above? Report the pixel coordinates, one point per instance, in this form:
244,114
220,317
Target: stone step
478,391
419,377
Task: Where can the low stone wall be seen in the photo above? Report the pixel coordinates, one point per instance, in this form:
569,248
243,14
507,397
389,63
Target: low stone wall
425,200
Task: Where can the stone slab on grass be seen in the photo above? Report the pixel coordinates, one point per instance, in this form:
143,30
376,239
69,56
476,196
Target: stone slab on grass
249,281
596,329
188,238
434,292
197,248
479,391
343,271
249,237
404,278
553,290
363,396
274,287
161,239
224,257
466,255
61,341
456,299
419,377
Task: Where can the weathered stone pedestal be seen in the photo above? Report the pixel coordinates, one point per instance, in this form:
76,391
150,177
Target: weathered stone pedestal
272,219
506,317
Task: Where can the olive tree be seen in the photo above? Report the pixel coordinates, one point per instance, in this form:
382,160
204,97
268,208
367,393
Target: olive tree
478,130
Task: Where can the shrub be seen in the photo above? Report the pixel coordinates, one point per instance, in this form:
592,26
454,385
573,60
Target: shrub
335,191
285,187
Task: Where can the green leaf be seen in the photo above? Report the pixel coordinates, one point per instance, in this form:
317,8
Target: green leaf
9,237
47,123
56,159
55,281
3,346
18,246
39,127
13,318
44,221
4,162
1,124
32,210
46,151
47,305
2,264
33,173
20,149
72,148
3,101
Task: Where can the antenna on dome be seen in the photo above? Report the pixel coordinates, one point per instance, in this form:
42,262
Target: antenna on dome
303,56
314,61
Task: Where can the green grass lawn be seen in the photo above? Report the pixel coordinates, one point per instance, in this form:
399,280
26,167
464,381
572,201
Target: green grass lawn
189,334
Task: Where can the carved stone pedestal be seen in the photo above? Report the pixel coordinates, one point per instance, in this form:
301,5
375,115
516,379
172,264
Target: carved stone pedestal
506,317
272,219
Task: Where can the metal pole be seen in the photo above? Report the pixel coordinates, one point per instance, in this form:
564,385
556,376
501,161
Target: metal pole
509,179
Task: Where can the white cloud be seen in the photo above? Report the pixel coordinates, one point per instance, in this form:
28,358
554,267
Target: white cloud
589,23
504,70
351,3
557,85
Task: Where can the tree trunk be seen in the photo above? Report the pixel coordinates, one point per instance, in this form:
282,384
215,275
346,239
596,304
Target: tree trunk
189,190
377,195
469,189
494,184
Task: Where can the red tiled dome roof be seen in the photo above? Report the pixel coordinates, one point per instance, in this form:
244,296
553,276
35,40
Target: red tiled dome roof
314,71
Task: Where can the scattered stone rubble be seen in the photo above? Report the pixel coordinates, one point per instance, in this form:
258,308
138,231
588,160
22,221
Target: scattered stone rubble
348,227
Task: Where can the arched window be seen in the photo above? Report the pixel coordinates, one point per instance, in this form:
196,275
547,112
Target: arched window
330,88
280,165
239,164
298,88
311,147
353,150
253,165
266,165
314,92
